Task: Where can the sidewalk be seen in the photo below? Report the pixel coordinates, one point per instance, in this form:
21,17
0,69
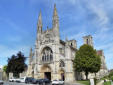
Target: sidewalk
101,82
73,83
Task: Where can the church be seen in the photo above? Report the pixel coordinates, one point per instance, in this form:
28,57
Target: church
52,57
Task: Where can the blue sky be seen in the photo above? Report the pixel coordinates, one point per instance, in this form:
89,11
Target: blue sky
18,24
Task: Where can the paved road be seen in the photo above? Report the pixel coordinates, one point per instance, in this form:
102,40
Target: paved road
14,83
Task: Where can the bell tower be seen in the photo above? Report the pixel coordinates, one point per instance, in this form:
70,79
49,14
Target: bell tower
88,40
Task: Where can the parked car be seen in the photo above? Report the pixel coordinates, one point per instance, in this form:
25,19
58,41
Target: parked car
30,80
1,82
13,79
46,81
61,82
22,79
34,81
17,80
41,81
57,82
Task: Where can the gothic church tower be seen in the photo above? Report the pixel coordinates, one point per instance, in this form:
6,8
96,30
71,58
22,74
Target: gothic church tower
52,56
88,40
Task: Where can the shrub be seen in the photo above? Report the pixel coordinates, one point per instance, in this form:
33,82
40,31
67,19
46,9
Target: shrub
112,78
95,81
110,75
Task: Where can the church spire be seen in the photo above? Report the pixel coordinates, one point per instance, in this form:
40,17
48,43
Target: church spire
30,56
40,22
55,11
30,52
55,17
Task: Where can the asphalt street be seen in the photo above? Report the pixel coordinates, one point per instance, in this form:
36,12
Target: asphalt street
15,83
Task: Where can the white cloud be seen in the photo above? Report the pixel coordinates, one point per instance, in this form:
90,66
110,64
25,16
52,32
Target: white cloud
8,51
1,66
102,18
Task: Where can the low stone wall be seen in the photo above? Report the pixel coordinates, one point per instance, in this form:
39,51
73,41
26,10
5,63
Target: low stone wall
22,74
1,73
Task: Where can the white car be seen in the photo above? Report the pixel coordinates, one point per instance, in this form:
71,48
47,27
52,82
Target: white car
12,79
57,82
22,79
1,82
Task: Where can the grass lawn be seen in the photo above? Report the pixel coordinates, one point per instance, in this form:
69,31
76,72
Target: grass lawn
85,82
107,83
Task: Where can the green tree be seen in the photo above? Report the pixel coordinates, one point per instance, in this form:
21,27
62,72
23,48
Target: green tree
110,74
112,78
16,64
87,60
5,68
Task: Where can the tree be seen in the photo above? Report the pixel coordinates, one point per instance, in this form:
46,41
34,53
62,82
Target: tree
87,60
110,74
5,68
16,64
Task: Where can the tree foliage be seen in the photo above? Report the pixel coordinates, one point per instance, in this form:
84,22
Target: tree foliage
110,76
87,60
16,64
5,68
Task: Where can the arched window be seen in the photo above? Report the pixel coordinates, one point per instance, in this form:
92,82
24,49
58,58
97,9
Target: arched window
51,57
47,54
43,58
62,64
71,44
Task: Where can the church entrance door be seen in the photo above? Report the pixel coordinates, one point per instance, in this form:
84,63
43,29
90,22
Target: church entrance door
62,76
33,74
48,75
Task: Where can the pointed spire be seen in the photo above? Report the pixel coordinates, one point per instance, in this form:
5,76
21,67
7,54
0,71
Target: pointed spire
55,17
55,11
40,20
30,51
30,56
47,28
66,38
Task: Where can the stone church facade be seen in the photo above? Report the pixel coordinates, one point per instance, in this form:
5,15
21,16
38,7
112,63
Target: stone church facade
52,57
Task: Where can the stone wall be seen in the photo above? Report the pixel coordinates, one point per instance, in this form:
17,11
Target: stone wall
22,74
1,73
